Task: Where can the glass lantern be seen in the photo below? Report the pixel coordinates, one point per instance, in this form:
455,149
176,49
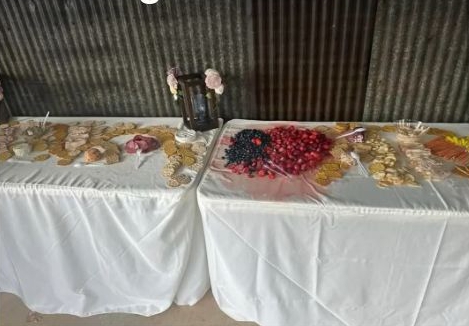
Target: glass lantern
198,103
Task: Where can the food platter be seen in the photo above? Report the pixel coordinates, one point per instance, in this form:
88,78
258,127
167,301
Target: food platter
398,154
101,143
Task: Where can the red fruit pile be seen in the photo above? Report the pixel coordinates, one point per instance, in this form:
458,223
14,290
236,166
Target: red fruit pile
281,150
293,150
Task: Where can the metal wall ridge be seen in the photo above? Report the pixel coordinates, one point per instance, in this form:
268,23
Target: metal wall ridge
109,58
311,58
321,60
419,66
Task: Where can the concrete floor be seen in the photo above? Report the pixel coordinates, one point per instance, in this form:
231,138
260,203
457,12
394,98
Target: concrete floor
205,313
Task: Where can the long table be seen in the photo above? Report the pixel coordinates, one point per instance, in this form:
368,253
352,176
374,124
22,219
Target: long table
289,252
86,240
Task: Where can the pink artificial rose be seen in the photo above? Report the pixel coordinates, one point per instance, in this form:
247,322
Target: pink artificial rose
213,81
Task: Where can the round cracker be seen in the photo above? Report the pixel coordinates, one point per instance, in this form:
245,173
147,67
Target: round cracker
64,162
40,146
173,183
188,160
183,179
376,167
41,157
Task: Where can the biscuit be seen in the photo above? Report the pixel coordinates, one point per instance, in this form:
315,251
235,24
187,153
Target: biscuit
41,157
173,183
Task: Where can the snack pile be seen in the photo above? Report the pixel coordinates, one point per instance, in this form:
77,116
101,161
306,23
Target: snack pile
70,141
7,136
451,148
383,159
67,142
325,154
180,155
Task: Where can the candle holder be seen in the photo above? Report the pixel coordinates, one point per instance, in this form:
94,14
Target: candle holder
198,103
4,113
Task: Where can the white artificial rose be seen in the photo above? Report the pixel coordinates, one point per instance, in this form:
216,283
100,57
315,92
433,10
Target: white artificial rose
219,90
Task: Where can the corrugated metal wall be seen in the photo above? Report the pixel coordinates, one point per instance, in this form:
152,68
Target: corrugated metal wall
109,57
281,59
311,58
420,65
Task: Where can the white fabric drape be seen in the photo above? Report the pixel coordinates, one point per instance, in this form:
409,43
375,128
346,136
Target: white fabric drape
85,240
285,252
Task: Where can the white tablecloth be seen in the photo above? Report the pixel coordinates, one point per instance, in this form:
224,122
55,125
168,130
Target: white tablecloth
284,252
94,239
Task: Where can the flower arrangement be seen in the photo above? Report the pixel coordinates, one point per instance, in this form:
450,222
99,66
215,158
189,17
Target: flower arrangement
212,81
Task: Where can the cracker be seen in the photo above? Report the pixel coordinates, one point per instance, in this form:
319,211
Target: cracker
74,153
118,125
111,147
140,131
331,166
342,126
84,147
111,157
321,175
361,148
173,183
384,184
107,136
174,165
168,171
376,167
378,175
117,132
345,166
175,158
5,156
388,128
41,157
164,137
40,146
169,143
170,150
367,158
196,167
323,182
64,162
188,160
63,154
333,174
186,152
183,179
129,125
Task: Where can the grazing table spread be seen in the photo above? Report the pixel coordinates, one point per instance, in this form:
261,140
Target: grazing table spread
288,244
106,231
